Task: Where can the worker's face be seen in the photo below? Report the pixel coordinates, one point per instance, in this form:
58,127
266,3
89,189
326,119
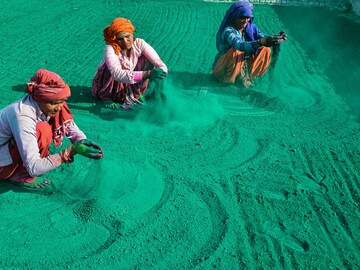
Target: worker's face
242,22
51,108
125,41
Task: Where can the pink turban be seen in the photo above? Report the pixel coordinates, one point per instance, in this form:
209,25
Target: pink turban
47,86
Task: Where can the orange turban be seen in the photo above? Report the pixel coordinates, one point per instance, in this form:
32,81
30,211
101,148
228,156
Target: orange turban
47,86
119,25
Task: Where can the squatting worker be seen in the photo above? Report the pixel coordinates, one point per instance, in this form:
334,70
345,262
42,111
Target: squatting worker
244,52
129,69
28,127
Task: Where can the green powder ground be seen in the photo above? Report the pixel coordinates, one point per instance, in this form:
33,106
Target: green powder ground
264,178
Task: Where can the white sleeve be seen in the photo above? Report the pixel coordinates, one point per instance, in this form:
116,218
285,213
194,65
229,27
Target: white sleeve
23,129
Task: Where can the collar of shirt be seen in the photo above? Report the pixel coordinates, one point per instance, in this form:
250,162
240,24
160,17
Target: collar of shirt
38,112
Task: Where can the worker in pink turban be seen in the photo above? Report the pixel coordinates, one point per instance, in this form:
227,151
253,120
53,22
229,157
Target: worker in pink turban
30,125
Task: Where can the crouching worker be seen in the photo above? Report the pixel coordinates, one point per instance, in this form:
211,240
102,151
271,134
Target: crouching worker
30,125
130,71
244,52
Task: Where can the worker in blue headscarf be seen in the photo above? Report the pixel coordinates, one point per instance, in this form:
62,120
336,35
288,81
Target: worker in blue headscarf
244,53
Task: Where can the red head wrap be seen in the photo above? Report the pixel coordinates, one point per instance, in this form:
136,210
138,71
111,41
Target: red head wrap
47,86
119,25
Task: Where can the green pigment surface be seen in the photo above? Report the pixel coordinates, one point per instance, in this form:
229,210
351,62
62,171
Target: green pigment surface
260,178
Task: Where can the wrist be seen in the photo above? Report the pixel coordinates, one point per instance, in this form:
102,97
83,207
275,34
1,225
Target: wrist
146,74
67,155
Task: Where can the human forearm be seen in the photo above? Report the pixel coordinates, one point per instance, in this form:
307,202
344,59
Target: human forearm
240,44
43,165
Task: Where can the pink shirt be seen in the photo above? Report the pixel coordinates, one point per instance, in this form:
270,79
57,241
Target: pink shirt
122,68
18,121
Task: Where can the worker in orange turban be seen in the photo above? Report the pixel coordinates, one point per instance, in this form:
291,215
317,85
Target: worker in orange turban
129,64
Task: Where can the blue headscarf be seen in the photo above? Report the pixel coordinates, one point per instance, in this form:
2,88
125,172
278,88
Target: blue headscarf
242,8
